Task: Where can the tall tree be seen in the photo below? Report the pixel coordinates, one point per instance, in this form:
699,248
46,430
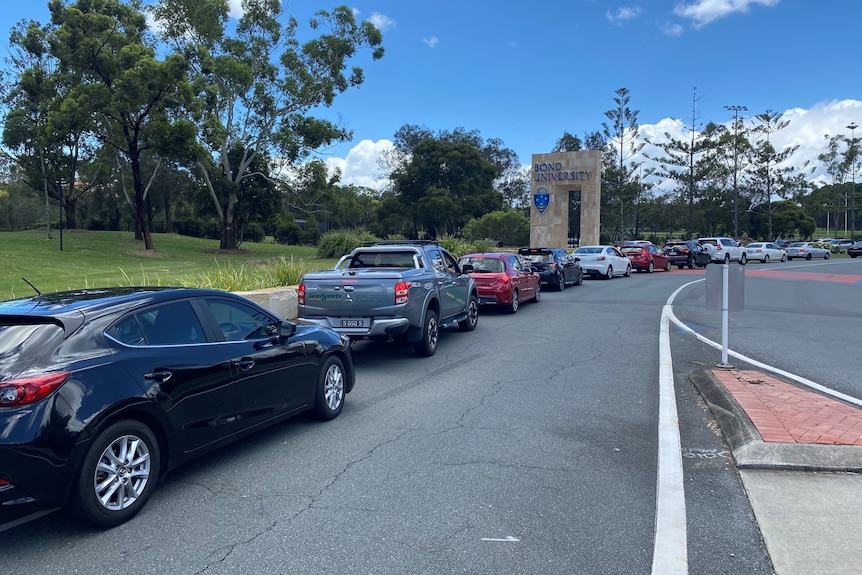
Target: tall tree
129,92
258,84
444,185
621,133
771,173
685,162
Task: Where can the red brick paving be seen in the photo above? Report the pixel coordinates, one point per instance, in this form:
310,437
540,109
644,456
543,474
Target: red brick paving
785,413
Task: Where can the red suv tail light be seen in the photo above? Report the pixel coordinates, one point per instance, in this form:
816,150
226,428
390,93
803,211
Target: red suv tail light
17,392
402,292
300,294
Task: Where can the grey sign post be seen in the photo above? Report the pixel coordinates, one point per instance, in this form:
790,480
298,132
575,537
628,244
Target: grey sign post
725,291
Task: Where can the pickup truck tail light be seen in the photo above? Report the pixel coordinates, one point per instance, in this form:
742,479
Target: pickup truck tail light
300,294
402,292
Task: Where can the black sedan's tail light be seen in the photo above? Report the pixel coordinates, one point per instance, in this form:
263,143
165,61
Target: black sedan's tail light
24,391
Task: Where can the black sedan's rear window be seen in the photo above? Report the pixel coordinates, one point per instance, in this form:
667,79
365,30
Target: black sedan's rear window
21,341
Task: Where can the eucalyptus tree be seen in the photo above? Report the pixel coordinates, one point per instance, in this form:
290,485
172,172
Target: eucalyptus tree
620,167
567,143
258,84
772,173
443,186
836,168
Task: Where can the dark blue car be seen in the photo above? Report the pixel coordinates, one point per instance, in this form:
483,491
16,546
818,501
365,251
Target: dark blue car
556,266
103,391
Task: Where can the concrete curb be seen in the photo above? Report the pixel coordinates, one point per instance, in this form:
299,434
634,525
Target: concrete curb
282,301
747,445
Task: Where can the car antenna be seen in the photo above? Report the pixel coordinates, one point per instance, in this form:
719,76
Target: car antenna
32,286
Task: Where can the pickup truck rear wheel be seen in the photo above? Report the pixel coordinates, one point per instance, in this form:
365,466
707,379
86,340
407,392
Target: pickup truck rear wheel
430,334
472,319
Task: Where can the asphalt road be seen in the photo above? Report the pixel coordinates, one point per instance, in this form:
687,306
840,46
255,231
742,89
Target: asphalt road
526,447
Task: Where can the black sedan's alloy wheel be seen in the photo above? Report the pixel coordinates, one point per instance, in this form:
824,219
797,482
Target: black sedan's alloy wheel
118,474
329,395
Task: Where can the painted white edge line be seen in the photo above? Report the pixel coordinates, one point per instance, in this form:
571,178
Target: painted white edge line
670,551
797,378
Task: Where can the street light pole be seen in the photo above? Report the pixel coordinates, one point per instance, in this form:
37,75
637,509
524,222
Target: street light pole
854,154
736,110
60,183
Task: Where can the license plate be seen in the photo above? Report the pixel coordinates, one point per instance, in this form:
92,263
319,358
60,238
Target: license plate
354,322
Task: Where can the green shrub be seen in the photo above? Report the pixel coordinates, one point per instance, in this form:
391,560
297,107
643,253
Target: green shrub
253,232
336,243
288,233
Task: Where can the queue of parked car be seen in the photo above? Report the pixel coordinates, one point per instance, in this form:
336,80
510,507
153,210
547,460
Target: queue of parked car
103,391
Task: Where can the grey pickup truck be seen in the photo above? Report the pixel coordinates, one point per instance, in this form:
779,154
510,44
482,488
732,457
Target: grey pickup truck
407,291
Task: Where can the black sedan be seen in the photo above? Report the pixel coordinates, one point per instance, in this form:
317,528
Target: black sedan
686,253
855,250
556,267
103,391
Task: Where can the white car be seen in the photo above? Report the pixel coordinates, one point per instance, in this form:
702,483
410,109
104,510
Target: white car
603,261
724,250
806,250
765,252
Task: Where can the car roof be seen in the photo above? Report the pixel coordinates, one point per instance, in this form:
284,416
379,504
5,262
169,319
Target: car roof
93,300
488,255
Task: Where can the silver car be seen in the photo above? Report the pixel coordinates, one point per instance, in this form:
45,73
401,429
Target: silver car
806,250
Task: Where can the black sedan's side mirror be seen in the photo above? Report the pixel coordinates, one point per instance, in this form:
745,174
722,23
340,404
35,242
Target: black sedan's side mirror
286,329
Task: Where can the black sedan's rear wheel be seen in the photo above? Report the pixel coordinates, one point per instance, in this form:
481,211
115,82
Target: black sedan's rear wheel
117,476
329,393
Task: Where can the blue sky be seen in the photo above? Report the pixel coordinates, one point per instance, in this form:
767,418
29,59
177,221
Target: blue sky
527,71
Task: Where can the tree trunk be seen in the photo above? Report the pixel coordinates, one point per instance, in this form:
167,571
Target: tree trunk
142,223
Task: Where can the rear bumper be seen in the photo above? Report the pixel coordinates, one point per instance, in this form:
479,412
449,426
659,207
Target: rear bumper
378,327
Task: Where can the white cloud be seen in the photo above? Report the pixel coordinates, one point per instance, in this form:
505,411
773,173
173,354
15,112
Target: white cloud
703,12
360,167
381,21
622,14
671,29
807,129
431,42
235,9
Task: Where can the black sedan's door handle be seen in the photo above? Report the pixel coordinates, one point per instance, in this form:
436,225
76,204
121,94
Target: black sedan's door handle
243,364
159,375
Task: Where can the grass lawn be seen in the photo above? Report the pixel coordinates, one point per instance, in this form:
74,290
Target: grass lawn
103,259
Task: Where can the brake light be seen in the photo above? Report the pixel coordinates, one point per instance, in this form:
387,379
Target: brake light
601,258
300,294
402,292
718,246
17,392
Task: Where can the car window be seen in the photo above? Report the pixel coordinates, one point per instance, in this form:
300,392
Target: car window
27,341
239,321
170,324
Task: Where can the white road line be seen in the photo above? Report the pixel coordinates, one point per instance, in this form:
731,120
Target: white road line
670,553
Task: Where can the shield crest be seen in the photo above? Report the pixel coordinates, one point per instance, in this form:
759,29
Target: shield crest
541,199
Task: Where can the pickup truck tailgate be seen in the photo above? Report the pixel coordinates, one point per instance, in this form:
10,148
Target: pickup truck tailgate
344,295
